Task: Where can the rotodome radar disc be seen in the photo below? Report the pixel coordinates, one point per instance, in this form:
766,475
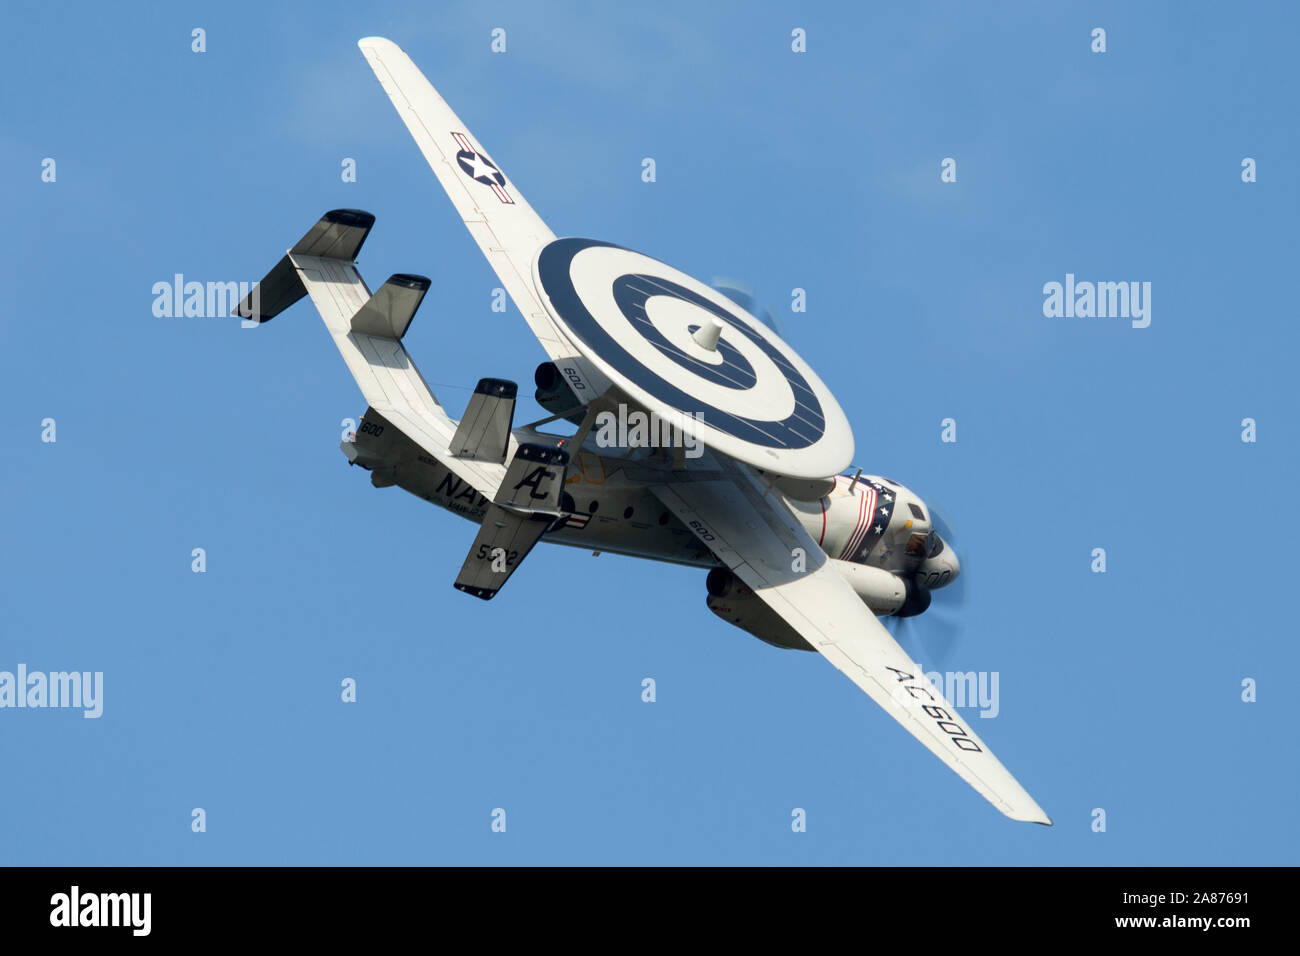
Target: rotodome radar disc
749,396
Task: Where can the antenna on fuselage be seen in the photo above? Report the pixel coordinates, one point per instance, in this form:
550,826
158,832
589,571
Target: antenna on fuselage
854,483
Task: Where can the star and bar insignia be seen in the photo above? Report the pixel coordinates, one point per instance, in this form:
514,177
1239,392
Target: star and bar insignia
480,169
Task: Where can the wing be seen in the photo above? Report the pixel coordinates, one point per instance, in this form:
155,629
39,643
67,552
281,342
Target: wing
496,214
754,535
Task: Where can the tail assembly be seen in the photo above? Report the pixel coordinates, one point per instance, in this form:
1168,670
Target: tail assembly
404,420
368,331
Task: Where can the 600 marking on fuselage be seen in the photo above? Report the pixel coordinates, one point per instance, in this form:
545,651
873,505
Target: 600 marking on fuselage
701,531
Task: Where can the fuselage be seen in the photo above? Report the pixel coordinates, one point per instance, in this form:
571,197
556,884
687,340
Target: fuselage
608,506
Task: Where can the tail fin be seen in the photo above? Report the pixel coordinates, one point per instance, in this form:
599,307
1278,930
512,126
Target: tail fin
484,429
526,504
338,235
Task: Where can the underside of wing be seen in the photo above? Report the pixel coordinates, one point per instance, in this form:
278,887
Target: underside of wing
504,225
754,534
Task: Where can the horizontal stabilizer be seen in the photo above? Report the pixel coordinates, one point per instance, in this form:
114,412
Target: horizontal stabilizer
484,430
534,479
504,540
389,311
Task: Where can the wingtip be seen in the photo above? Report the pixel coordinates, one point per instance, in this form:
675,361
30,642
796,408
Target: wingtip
1039,817
1034,815
372,43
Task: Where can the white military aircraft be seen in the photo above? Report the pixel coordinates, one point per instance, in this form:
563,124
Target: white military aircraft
702,438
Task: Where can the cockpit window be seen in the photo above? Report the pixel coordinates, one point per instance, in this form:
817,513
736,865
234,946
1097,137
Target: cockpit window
917,513
936,544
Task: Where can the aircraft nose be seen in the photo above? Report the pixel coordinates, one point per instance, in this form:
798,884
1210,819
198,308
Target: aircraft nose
943,564
951,556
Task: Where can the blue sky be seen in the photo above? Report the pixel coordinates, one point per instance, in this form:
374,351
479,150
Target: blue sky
819,171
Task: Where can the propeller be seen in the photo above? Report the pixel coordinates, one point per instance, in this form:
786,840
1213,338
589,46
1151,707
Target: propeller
743,295
930,638
955,593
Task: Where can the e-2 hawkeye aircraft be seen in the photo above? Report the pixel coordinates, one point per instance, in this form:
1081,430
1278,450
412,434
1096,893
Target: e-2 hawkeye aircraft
702,438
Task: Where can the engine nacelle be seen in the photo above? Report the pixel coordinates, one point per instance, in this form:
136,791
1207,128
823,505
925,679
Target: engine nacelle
554,393
882,592
733,601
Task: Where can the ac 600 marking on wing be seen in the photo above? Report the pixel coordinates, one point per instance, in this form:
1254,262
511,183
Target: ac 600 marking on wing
940,715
